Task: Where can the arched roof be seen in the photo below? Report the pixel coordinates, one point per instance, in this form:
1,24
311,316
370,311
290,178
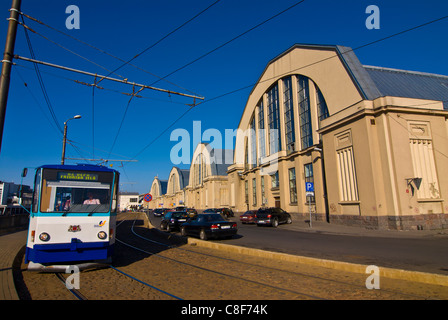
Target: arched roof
182,180
160,185
216,160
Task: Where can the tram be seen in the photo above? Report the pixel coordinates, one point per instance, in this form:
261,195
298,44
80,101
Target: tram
73,217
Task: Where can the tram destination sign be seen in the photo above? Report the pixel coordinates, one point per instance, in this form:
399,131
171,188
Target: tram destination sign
77,176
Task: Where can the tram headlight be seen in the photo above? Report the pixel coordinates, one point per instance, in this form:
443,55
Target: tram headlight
44,237
102,235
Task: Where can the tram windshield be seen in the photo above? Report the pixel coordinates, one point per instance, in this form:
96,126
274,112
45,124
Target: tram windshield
76,191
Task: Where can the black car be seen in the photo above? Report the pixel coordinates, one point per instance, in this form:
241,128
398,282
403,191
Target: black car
157,212
209,225
272,217
225,212
172,220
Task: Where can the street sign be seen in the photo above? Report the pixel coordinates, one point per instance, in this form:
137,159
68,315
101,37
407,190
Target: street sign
147,197
309,186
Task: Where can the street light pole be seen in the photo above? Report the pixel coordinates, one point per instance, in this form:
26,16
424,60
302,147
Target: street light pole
64,140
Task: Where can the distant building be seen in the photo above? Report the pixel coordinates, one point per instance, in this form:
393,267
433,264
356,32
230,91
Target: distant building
10,198
128,201
372,142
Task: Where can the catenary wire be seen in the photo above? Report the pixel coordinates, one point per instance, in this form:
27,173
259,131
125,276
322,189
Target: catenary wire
231,40
167,35
104,52
277,76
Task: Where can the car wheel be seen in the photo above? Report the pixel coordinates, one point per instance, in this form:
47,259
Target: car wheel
162,226
203,235
183,232
289,220
274,223
168,228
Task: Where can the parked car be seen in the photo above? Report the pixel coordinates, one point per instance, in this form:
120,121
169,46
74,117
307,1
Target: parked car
191,212
208,225
272,217
248,216
172,220
157,212
225,212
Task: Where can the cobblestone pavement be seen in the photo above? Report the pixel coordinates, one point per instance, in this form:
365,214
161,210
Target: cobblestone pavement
196,273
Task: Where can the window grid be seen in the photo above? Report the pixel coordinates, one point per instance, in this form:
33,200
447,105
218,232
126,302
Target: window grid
289,114
274,121
261,138
254,191
306,134
292,186
253,144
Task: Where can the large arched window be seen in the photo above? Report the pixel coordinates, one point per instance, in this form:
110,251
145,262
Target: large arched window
294,112
174,185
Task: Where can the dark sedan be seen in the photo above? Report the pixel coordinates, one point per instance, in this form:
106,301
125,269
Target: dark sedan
173,220
209,225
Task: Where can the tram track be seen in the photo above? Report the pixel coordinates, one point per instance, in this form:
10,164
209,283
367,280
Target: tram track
219,273
400,294
202,273
75,292
79,296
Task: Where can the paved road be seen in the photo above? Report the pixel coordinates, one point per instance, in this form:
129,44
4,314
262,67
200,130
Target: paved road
420,253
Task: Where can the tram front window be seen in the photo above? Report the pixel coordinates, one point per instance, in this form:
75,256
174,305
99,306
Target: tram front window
83,192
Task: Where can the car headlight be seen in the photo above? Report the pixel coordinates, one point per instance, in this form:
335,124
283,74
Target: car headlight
44,237
102,235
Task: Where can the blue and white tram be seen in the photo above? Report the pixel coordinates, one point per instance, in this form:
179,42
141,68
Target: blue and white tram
73,216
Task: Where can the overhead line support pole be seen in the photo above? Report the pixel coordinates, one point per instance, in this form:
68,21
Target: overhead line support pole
7,62
107,78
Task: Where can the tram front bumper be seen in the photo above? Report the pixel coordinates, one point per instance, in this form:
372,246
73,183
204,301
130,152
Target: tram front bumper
76,250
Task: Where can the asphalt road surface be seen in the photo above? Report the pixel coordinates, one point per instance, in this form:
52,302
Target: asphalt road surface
426,254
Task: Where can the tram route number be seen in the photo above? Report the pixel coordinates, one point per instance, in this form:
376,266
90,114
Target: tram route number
230,309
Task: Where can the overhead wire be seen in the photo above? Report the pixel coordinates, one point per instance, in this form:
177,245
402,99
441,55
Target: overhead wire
278,76
231,40
41,83
103,51
167,35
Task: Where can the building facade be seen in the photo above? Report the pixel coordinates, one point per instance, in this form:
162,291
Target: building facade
371,141
128,201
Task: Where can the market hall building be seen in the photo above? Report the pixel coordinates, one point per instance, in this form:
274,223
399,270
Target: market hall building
373,141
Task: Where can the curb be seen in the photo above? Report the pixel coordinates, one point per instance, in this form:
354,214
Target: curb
399,274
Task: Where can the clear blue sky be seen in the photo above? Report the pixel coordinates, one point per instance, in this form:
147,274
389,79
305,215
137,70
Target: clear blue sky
125,28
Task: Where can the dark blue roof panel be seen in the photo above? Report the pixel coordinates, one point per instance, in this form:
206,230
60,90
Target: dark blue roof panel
409,84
